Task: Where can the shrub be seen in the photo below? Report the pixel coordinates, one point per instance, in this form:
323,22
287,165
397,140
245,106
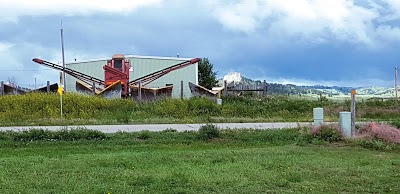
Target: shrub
208,131
329,133
200,106
175,108
383,132
144,135
170,130
377,144
62,135
80,134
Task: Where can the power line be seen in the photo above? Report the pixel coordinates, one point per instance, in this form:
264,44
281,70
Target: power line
26,69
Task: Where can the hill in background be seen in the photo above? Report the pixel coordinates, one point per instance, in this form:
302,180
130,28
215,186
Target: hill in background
236,78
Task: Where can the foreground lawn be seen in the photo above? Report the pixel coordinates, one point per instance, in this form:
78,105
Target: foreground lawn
177,163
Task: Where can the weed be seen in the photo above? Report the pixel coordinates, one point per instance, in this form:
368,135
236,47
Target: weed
43,109
209,131
329,133
382,132
377,145
169,130
143,135
47,135
81,134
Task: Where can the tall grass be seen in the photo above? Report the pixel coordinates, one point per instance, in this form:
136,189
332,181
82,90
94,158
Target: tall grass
46,135
42,105
379,136
41,108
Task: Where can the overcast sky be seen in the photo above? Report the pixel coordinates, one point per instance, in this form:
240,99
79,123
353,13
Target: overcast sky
326,42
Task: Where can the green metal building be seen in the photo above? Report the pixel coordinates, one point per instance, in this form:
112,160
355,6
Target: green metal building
141,66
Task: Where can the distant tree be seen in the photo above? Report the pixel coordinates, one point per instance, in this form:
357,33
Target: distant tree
207,77
12,81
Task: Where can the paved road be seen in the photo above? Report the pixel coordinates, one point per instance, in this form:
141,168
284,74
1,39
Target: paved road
160,127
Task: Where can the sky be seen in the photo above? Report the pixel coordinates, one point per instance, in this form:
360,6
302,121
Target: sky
304,42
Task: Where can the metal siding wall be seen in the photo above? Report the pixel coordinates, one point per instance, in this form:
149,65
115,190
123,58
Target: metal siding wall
144,66
141,67
92,68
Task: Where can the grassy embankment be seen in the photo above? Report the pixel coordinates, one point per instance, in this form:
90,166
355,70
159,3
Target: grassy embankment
44,109
231,161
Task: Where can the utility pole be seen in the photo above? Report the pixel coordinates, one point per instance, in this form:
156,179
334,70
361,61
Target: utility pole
353,112
63,59
395,82
60,91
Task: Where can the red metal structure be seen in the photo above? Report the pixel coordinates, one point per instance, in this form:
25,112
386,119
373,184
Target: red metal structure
76,74
117,69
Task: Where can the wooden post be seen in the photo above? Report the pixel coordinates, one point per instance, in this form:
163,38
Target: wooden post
61,79
140,91
93,87
181,89
353,113
395,82
48,86
225,85
1,88
265,88
131,93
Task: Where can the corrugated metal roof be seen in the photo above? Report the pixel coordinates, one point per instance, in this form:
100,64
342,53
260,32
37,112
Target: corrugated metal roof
154,57
132,56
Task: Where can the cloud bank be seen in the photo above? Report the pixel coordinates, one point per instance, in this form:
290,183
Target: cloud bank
313,21
12,10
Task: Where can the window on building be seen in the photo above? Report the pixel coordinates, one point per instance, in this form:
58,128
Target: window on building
118,64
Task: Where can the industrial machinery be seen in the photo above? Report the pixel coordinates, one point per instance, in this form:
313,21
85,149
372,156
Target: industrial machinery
117,69
116,77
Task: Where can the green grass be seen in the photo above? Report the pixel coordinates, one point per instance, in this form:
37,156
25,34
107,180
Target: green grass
239,161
